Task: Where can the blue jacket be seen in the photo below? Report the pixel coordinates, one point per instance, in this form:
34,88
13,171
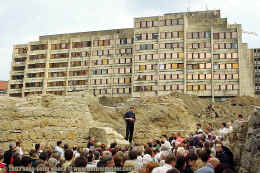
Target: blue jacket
207,169
129,115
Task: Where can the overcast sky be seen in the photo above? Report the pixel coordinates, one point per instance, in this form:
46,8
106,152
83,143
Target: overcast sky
25,20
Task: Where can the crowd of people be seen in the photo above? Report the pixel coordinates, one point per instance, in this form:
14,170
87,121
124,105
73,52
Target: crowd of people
201,152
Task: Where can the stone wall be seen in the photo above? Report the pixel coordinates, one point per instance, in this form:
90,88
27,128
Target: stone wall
245,144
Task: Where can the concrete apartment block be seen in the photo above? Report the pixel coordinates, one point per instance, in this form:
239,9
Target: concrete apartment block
255,54
194,53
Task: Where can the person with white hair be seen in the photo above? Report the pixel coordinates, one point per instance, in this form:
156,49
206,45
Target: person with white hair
170,162
163,150
163,156
180,152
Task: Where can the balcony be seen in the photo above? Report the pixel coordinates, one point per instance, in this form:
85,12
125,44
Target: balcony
15,81
55,79
33,79
56,88
18,63
36,61
55,60
35,70
36,52
33,89
13,91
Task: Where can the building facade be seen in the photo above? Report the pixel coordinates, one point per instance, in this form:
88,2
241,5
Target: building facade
256,57
3,87
194,53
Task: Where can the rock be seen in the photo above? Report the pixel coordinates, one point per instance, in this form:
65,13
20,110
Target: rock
107,135
246,144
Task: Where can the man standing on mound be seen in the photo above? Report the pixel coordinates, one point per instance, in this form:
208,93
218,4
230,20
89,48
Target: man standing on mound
130,122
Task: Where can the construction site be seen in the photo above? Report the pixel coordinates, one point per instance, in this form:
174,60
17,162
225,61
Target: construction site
197,53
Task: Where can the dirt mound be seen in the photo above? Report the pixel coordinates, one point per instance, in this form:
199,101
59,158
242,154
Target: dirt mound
45,119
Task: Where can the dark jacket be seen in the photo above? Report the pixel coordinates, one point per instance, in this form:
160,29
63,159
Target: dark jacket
129,115
7,157
188,169
225,157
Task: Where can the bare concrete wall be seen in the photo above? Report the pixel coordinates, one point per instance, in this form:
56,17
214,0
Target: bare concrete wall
246,64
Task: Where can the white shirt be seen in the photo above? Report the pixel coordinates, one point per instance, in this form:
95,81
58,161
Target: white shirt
167,144
230,129
147,158
223,132
20,151
76,154
60,151
162,169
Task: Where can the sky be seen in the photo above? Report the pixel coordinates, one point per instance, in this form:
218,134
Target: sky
23,21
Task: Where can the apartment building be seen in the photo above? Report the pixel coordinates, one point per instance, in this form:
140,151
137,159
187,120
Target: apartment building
256,57
194,53
3,87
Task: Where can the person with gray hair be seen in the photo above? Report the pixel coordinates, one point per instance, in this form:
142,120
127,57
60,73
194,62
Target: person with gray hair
170,162
106,161
210,166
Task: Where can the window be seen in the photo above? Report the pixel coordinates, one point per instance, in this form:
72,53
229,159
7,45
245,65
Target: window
195,45
86,44
129,50
142,67
234,45
180,21
174,22
234,34
216,66
189,35
137,24
175,34
162,66
143,24
155,36
100,42
235,66
142,47
174,45
168,45
63,45
181,66
216,36
39,47
195,35
222,35
104,71
216,56
168,22
181,55
228,35
234,55
228,46
146,46
202,66
123,41
155,23
222,46
168,35
202,34
207,34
